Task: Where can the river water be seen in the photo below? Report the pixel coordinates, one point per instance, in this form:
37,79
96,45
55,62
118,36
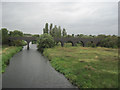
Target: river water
29,69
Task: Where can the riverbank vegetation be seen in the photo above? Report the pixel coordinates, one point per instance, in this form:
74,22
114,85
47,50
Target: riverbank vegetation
45,41
6,53
51,32
6,34
86,67
108,41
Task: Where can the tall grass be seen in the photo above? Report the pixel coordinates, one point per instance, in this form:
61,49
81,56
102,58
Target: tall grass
86,67
7,53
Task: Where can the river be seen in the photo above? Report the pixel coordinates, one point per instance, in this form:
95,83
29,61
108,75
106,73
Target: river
29,69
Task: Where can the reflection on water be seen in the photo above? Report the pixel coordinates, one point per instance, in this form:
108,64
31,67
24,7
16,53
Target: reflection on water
29,69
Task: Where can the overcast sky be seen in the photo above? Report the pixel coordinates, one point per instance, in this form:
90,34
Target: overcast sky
76,17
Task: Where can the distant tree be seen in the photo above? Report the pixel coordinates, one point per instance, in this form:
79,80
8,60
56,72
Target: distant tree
64,33
53,32
56,31
101,36
37,36
16,33
45,30
27,35
69,36
72,35
59,31
77,35
46,27
4,36
51,25
0,37
81,35
90,36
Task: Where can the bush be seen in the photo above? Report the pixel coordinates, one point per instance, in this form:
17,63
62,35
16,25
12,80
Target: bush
18,43
90,44
109,42
45,41
93,45
34,42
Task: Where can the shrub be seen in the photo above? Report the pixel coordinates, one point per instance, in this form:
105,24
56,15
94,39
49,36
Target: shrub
18,43
34,42
93,45
109,42
45,41
90,44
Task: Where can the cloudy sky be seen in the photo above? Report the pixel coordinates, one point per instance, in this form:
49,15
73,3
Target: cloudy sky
77,17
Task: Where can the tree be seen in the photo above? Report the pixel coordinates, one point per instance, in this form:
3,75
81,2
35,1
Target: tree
56,31
69,35
27,35
51,25
64,33
72,35
0,37
4,36
16,33
81,35
59,31
108,41
36,35
46,27
45,41
45,30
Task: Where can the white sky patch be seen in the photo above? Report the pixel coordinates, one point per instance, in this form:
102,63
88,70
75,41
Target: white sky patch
60,0
83,17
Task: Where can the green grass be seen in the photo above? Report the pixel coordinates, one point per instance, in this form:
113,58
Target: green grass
86,67
7,53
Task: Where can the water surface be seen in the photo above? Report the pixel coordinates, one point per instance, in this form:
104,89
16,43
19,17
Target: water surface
29,69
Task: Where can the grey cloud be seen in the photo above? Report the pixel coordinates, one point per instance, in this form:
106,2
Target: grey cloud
86,18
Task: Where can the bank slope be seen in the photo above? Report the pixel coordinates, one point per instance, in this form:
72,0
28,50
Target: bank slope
7,53
86,67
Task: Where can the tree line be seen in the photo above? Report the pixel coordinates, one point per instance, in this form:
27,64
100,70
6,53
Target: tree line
6,34
109,41
54,31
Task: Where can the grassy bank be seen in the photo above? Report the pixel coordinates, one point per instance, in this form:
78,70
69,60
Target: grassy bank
86,67
6,53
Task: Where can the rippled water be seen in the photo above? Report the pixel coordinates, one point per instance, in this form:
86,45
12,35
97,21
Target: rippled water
29,69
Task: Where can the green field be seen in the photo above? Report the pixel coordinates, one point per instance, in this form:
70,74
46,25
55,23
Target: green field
86,67
6,53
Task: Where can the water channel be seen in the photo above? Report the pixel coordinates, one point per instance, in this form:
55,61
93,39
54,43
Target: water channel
29,69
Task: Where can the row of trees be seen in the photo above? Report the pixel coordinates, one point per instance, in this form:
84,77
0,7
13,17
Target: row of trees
109,41
54,31
6,34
